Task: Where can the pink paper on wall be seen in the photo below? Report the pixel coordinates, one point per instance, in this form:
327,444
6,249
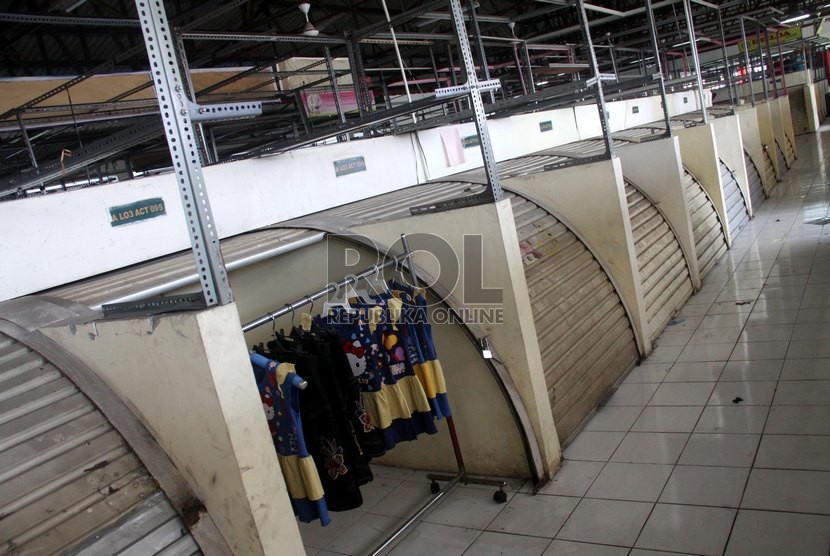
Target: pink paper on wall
452,146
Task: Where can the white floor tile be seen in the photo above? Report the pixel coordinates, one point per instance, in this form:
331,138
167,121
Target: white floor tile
633,394
705,352
573,478
808,349
771,333
743,393
501,544
468,507
776,533
650,447
733,419
788,491
363,535
691,529
700,371
748,351
726,450
570,548
701,485
613,418
793,419
538,516
667,419
803,392
765,369
766,318
645,372
806,369
811,453
593,446
430,538
606,522
630,481
682,393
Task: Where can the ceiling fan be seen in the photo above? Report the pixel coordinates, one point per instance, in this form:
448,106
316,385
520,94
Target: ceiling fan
311,30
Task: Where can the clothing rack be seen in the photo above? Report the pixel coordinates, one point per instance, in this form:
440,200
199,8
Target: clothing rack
461,475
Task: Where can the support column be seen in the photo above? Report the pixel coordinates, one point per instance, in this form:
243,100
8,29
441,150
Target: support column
476,31
690,24
662,82
747,63
726,61
763,64
178,128
592,62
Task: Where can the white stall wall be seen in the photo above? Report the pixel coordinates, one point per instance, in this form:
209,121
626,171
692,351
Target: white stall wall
730,150
699,151
239,482
767,133
751,140
656,167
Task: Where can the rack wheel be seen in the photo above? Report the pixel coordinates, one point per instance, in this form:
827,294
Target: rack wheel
500,496
434,487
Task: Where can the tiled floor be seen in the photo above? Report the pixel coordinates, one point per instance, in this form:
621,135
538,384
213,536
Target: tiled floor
719,443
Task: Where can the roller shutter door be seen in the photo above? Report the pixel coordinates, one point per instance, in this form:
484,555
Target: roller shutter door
736,211
710,241
782,162
790,148
663,270
68,481
584,333
756,186
769,169
798,111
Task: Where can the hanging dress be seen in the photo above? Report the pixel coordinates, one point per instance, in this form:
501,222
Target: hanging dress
278,390
326,428
425,360
394,398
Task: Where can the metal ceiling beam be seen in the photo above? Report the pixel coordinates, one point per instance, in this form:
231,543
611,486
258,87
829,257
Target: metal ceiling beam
81,158
263,37
41,19
124,55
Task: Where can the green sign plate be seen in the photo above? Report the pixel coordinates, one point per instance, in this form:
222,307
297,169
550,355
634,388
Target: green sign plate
135,212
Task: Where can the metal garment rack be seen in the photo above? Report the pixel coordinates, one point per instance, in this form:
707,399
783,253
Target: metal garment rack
452,480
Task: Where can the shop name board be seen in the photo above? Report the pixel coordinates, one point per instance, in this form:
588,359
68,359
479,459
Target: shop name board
546,126
470,141
349,166
135,212
785,35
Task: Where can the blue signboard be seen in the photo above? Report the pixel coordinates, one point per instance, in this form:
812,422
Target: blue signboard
135,212
546,126
349,166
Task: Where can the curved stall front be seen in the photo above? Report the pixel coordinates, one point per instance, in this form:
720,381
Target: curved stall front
737,210
665,276
756,184
710,239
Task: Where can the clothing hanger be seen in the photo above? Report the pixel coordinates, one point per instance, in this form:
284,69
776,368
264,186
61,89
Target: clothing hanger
376,283
306,318
337,301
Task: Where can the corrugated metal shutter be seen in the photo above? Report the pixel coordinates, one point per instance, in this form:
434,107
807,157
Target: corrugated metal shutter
736,211
756,186
66,476
663,270
584,333
782,162
710,241
769,169
798,111
789,145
